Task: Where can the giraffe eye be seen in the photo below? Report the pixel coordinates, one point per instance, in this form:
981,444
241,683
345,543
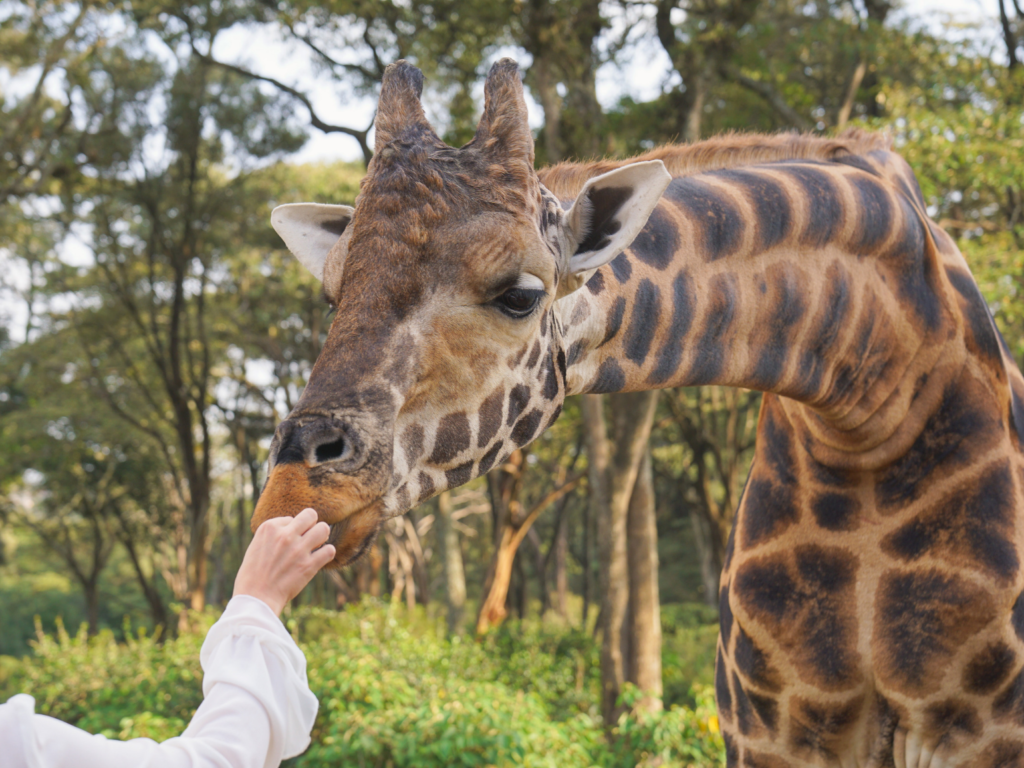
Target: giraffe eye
519,302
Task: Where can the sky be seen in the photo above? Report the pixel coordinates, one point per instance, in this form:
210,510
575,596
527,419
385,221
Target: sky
642,76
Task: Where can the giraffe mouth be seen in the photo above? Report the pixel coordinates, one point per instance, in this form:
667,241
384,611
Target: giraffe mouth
353,535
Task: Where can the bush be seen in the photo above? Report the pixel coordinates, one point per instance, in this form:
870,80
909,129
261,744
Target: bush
393,692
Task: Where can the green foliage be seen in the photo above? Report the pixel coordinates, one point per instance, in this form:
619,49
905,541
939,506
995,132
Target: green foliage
393,692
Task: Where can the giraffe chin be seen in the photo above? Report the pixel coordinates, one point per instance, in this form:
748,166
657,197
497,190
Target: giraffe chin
354,514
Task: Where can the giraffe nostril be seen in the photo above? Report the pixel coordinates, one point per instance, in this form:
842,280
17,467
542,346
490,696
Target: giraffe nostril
332,450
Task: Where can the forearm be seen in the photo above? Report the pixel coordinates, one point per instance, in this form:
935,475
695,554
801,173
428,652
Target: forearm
257,708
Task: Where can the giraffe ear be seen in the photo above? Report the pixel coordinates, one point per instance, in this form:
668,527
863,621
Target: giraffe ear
310,231
611,210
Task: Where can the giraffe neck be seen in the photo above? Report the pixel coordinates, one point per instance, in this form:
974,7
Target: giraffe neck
820,282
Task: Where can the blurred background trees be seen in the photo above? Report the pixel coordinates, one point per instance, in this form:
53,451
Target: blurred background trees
153,330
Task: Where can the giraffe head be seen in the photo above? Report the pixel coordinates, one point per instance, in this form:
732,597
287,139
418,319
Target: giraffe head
444,354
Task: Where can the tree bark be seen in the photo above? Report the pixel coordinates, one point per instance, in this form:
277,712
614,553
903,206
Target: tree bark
644,600
454,574
632,416
852,86
492,607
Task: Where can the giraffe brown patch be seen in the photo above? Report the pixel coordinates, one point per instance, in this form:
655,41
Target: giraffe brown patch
643,320
825,209
657,242
716,218
402,498
831,318
915,272
983,342
575,352
910,187
836,512
772,209
513,362
876,213
730,543
972,528
753,759
426,486
613,322
621,267
554,417
818,728
745,718
754,663
724,615
526,427
534,355
803,601
489,417
412,443
723,697
1017,616
671,352
1010,703
596,283
989,668
785,308
768,510
518,399
952,720
1003,753
452,437
858,162
732,752
710,349
550,389
460,475
544,325
958,417
922,619
487,460
580,312
610,378
605,205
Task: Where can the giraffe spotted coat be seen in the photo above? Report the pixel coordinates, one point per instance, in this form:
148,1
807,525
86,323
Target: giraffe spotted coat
870,602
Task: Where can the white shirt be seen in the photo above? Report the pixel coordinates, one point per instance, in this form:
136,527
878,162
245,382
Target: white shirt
257,709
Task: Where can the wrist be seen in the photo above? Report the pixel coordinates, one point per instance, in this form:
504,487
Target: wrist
273,601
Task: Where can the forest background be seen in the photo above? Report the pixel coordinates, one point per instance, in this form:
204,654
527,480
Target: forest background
153,330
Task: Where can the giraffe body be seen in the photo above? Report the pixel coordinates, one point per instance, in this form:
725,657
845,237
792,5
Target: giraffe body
870,601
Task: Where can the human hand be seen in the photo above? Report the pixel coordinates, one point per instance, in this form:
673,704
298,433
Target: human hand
284,554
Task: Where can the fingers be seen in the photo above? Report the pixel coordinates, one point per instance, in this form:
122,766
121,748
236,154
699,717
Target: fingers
316,535
303,521
323,556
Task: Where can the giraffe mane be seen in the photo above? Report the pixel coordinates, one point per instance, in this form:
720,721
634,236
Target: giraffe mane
730,150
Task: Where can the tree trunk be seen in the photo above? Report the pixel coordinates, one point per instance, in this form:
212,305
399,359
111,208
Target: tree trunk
710,564
645,605
561,562
197,552
492,608
454,574
695,107
157,609
632,416
91,592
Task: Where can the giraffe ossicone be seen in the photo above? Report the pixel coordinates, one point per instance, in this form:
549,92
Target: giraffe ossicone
870,602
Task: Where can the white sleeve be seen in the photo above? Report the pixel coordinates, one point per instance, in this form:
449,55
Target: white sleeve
257,709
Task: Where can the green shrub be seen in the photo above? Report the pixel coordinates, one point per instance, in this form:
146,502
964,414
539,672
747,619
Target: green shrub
393,692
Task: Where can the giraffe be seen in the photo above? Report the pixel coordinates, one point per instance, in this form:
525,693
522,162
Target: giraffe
870,600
